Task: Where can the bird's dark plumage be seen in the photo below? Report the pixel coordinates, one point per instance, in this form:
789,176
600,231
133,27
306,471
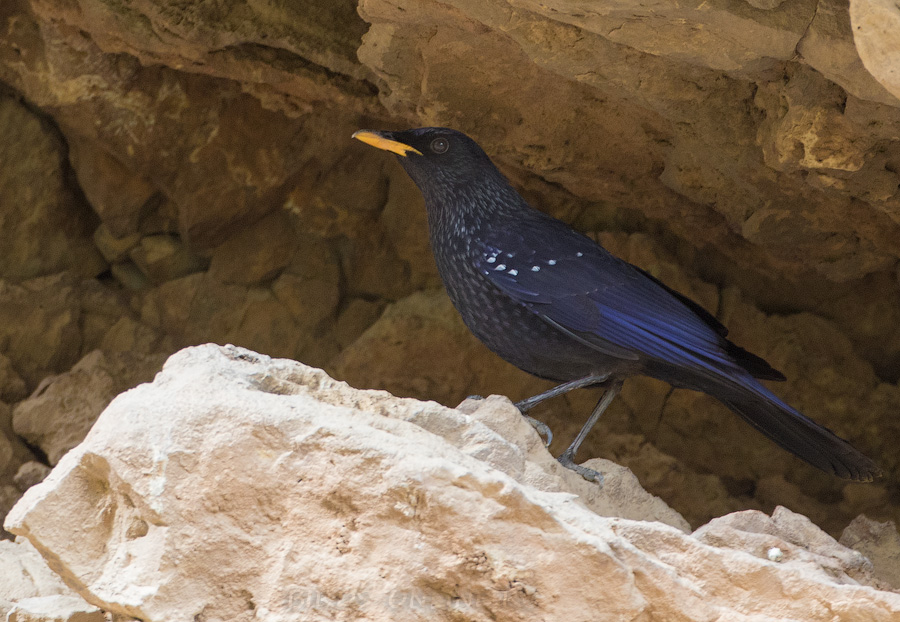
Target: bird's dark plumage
558,305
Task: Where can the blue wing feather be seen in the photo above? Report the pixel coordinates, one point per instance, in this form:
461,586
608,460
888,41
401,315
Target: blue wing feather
579,287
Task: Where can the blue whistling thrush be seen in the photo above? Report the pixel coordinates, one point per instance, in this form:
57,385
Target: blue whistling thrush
556,304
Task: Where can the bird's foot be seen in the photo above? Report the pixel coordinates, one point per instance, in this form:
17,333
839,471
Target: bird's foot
475,397
542,428
567,460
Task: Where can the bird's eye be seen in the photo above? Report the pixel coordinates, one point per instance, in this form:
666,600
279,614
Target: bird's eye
440,145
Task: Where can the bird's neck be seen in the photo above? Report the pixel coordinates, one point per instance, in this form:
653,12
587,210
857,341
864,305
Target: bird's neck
459,213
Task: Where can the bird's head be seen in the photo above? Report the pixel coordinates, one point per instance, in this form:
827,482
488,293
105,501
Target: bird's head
438,159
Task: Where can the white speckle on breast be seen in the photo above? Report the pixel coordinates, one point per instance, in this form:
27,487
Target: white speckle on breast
501,266
492,259
514,272
535,268
551,262
579,254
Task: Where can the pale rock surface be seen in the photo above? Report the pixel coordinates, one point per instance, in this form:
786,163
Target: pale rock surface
30,591
876,31
63,408
828,46
240,487
57,608
796,539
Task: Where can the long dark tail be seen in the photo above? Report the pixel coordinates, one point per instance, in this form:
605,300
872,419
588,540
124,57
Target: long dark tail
795,432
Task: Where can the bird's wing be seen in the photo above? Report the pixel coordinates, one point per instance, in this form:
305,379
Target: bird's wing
600,300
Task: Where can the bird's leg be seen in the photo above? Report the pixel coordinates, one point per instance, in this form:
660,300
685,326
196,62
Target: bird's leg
579,383
567,459
527,404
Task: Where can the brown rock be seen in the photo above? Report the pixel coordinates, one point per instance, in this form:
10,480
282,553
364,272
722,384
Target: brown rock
29,474
406,225
116,194
880,543
12,387
310,285
9,496
164,258
197,308
130,276
355,319
63,408
114,249
46,229
257,253
720,35
39,325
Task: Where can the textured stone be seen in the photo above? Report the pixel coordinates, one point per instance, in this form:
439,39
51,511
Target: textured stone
114,249
39,325
459,521
117,195
63,408
29,474
797,539
720,34
876,31
355,319
880,543
164,258
257,253
44,228
828,47
24,572
24,576
56,608
12,387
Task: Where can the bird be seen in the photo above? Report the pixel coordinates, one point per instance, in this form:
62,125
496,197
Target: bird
556,304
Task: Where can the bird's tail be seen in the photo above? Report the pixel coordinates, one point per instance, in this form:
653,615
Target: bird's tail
793,431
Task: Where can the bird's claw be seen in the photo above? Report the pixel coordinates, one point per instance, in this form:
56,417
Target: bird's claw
590,475
542,428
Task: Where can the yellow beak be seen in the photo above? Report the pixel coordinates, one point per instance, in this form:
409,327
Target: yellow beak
377,140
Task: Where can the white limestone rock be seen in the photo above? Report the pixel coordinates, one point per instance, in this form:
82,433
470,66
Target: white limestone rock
238,487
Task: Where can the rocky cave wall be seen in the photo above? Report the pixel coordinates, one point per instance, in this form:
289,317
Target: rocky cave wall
180,173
